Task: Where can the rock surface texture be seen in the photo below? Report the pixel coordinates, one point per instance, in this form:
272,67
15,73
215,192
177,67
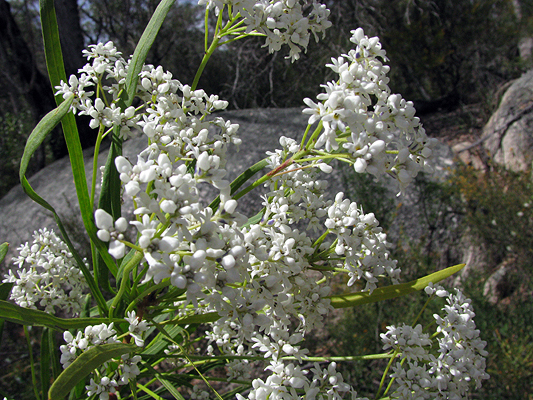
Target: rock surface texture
508,136
260,130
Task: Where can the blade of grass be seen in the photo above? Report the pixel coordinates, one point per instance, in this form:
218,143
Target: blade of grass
56,73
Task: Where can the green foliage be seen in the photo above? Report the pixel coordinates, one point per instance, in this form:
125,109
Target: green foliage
499,210
508,330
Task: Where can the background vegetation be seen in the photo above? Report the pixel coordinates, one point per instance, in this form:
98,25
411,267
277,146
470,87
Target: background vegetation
445,55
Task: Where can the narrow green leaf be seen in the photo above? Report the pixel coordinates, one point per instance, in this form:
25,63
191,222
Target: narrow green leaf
5,290
52,45
393,291
27,316
45,362
152,395
232,393
170,387
166,383
82,366
159,343
54,354
143,47
56,72
39,133
3,251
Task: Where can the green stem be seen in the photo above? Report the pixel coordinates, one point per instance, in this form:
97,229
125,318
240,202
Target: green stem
209,52
30,350
149,392
219,34
384,376
206,24
312,139
323,156
422,310
272,173
321,239
135,260
392,380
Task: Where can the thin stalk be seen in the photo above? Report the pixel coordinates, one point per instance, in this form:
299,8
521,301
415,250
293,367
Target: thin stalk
33,376
219,34
272,173
312,139
422,310
135,260
305,136
385,375
209,52
321,238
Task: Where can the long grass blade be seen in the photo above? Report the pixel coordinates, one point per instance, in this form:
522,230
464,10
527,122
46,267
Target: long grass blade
56,72
27,316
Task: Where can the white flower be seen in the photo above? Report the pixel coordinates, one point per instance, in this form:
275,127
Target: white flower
102,388
111,232
136,328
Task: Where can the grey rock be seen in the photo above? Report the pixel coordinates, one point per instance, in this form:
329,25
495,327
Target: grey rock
260,130
493,286
508,136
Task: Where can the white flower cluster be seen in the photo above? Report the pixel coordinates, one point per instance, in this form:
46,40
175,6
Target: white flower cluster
458,360
361,242
377,128
289,381
255,276
283,22
260,277
95,335
47,275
